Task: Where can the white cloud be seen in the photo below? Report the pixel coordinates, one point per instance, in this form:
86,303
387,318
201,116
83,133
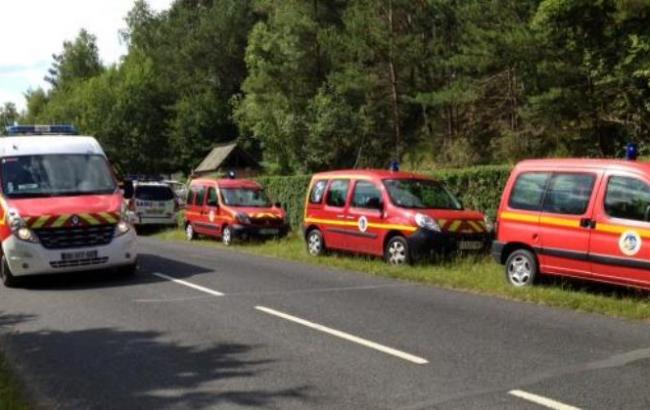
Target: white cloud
32,30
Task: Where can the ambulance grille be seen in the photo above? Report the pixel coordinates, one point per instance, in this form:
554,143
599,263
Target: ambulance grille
82,262
266,222
80,237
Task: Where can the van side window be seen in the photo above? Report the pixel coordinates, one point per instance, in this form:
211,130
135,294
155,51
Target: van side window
569,194
317,191
212,197
338,193
528,191
200,196
191,196
366,196
628,198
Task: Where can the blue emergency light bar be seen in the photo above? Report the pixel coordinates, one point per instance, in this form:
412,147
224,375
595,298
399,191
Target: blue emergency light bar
65,129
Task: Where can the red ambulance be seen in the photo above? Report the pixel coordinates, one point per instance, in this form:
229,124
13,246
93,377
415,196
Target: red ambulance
397,215
581,218
60,206
232,209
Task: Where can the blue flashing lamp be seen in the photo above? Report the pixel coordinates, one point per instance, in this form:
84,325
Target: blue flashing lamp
63,129
631,151
394,166
232,174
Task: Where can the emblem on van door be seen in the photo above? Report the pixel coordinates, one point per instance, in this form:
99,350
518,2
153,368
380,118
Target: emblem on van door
363,224
630,243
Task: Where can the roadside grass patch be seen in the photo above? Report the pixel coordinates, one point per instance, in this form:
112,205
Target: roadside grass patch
476,274
11,394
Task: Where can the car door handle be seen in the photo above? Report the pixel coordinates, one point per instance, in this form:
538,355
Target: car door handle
351,217
340,216
587,223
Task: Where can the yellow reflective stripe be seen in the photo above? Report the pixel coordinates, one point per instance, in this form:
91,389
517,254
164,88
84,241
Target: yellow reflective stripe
454,226
513,216
406,228
442,222
110,218
570,223
475,225
331,222
40,221
619,229
5,211
60,221
89,218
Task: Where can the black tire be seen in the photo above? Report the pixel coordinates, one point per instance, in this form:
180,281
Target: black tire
8,279
522,268
226,236
190,233
315,243
397,251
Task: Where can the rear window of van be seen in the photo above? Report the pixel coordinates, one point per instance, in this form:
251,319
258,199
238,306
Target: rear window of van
528,192
154,193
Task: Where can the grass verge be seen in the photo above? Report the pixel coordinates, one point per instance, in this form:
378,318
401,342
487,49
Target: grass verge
11,394
473,274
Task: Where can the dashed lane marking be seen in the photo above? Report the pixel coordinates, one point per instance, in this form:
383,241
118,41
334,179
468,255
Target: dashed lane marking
541,400
189,285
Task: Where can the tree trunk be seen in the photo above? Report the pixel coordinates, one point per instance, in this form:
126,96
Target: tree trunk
393,85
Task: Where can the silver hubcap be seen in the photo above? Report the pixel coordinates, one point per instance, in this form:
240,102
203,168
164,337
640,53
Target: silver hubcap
520,271
315,244
227,236
189,231
397,253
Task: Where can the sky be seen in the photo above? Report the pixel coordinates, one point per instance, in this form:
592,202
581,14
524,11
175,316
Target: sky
32,30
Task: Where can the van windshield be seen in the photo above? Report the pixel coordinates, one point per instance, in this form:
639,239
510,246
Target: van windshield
33,176
421,194
154,193
246,197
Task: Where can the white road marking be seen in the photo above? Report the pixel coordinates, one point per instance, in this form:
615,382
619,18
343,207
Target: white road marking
542,401
189,285
388,350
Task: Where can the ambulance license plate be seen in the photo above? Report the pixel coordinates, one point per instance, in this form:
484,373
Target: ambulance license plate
155,211
76,256
470,245
269,231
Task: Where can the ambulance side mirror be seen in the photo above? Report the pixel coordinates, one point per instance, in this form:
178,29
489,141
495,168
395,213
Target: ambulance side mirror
128,189
277,205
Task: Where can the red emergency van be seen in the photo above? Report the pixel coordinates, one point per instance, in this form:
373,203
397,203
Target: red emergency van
60,205
581,218
397,215
231,209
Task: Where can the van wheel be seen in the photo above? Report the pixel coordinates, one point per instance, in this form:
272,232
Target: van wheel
8,279
315,243
189,232
226,236
521,268
397,251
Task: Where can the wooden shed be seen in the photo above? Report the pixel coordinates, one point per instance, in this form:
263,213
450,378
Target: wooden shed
228,157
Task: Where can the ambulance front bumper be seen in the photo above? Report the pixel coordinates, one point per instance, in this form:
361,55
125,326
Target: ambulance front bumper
26,258
425,242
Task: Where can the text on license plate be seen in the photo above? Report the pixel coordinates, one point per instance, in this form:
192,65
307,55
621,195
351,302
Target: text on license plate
78,255
269,231
470,245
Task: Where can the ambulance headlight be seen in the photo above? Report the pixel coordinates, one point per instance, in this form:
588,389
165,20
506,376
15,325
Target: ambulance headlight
489,225
427,222
243,218
26,234
122,228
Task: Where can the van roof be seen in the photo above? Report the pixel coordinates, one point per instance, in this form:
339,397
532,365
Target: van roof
585,163
227,183
370,173
51,144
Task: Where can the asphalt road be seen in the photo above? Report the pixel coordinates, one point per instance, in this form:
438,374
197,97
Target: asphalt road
241,331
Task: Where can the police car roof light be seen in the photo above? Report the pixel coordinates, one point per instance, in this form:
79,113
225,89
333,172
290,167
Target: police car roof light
56,129
394,166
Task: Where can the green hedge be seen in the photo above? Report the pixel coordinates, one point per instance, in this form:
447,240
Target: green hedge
478,187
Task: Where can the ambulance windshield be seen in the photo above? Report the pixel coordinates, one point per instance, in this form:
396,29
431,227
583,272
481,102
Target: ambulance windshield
34,176
246,197
421,194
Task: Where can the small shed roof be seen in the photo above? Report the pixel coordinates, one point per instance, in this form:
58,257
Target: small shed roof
226,155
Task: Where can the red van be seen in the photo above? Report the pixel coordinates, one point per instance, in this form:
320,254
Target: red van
586,219
397,215
230,209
